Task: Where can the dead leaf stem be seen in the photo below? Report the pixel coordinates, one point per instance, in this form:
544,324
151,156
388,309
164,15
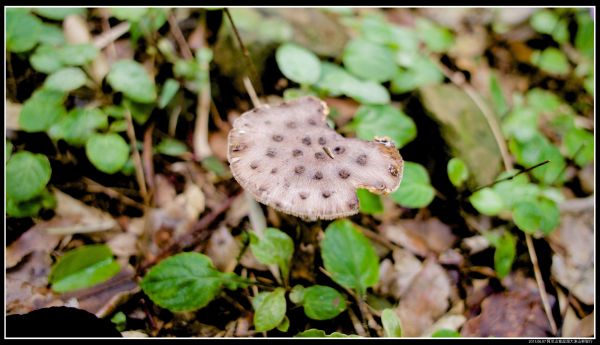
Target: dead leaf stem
137,160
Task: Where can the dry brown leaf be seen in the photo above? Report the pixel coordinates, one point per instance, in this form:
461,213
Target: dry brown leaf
82,218
164,192
575,327
573,258
26,285
449,321
509,314
223,249
218,144
36,239
123,244
420,237
425,300
396,277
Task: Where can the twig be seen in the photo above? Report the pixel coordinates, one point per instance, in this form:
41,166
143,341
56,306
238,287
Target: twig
173,117
357,298
147,159
251,92
201,147
512,176
358,326
186,52
540,282
245,51
109,35
94,186
137,161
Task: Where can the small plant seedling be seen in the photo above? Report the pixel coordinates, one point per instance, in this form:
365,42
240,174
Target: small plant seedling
287,157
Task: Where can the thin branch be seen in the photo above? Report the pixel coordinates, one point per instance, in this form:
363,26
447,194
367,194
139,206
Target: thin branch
137,160
540,282
147,159
201,146
95,187
186,52
251,92
245,51
512,176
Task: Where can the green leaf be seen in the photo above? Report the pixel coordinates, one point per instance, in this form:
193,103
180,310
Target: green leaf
317,333
8,146
370,61
528,216
437,38
107,152
23,209
537,150
295,93
322,302
366,92
584,39
132,14
391,324
445,333
418,72
118,126
140,112
550,215
120,320
349,256
521,123
41,110
270,310
186,282
51,35
368,202
77,54
22,30
298,64
274,248
311,333
547,22
284,325
26,175
83,267
336,81
58,13
498,99
579,145
415,190
79,125
487,202
551,60
131,78
66,79
169,90
212,163
458,172
274,30
543,101
384,120
504,256
171,147
297,294
45,59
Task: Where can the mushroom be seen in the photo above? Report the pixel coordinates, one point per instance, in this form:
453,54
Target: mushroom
287,157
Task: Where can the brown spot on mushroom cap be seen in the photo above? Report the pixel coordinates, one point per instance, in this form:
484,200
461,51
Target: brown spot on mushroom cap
298,178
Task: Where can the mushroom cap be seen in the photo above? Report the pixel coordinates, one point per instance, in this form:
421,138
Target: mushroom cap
287,157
